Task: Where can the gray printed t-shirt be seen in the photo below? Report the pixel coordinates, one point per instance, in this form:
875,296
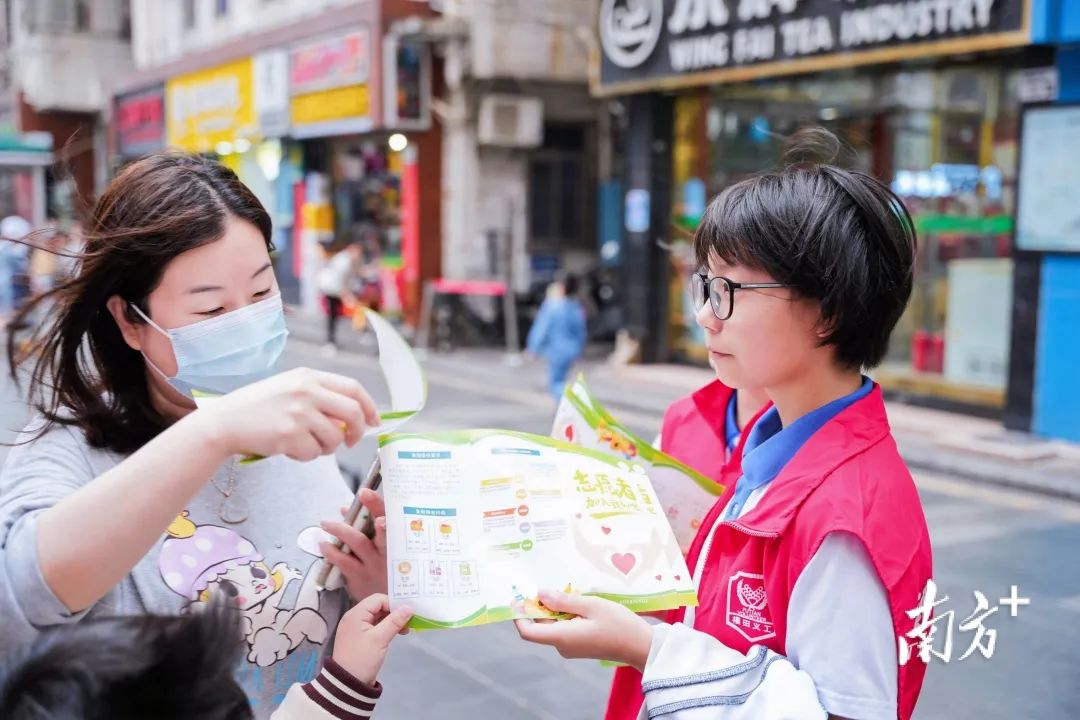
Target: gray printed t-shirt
265,565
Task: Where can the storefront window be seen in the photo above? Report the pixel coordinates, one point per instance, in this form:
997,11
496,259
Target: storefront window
944,139
367,191
16,192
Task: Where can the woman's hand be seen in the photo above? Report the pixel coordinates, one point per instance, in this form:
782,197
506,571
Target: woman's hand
364,635
602,630
364,566
300,413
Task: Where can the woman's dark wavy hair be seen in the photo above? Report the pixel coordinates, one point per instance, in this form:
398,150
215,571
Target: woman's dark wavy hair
81,373
129,668
837,236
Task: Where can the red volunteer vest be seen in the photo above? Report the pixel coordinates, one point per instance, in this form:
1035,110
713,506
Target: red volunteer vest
848,477
693,431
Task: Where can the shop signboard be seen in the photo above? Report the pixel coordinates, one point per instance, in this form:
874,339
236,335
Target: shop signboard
637,211
1038,85
329,85
978,316
651,44
140,122
1048,192
407,83
211,107
271,80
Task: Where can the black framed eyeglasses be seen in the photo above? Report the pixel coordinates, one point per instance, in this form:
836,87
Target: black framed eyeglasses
721,292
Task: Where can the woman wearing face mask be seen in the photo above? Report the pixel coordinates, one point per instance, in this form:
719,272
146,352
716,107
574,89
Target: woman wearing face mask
120,497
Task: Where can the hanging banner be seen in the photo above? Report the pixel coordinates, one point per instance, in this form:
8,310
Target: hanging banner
663,44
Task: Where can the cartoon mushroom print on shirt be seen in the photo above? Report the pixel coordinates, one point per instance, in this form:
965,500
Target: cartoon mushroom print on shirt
202,562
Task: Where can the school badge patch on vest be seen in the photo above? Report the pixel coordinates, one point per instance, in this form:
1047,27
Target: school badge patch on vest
747,607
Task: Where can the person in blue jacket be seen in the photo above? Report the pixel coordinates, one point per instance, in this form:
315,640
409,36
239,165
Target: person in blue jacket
558,333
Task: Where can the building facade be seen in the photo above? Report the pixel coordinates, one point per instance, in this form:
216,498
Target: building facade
57,58
320,110
524,143
928,95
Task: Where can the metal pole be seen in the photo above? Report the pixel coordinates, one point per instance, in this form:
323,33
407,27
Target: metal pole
423,332
510,320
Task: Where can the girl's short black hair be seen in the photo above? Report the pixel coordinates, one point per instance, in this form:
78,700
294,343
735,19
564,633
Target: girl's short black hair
837,236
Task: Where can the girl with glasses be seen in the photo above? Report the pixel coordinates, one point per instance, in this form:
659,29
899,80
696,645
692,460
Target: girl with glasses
809,564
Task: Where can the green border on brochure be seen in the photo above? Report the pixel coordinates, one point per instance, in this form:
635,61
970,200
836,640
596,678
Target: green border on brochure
397,415
467,437
638,603
594,414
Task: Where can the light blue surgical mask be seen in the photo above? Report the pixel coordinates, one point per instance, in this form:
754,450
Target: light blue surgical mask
228,351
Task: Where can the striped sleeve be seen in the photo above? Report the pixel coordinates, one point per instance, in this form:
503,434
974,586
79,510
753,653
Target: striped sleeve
693,676
333,695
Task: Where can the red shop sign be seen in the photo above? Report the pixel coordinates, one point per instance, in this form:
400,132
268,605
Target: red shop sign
330,63
140,122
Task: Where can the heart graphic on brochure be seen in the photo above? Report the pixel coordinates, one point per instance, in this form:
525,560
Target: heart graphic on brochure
624,562
570,433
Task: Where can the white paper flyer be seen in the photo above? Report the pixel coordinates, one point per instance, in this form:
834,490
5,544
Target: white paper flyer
479,521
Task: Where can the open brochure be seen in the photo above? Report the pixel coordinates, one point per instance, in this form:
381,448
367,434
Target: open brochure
479,520
685,494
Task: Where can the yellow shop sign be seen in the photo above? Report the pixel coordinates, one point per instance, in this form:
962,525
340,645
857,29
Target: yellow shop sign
351,101
211,106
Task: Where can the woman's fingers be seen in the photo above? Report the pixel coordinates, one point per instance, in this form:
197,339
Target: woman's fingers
328,432
380,535
303,447
373,502
359,544
345,562
343,410
353,389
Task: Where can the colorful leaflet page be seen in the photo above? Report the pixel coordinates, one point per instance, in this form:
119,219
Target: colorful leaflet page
478,521
685,494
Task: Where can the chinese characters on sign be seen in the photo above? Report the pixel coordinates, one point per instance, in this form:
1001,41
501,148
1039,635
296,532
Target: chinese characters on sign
921,640
605,494
660,43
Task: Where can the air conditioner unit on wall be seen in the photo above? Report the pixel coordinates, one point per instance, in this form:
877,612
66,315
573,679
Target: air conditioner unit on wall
511,121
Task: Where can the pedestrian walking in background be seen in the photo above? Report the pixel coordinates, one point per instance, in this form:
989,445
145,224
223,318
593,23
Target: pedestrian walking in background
336,280
558,333
367,280
13,262
45,266
68,253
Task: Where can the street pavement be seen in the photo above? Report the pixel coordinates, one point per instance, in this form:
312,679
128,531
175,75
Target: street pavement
986,539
